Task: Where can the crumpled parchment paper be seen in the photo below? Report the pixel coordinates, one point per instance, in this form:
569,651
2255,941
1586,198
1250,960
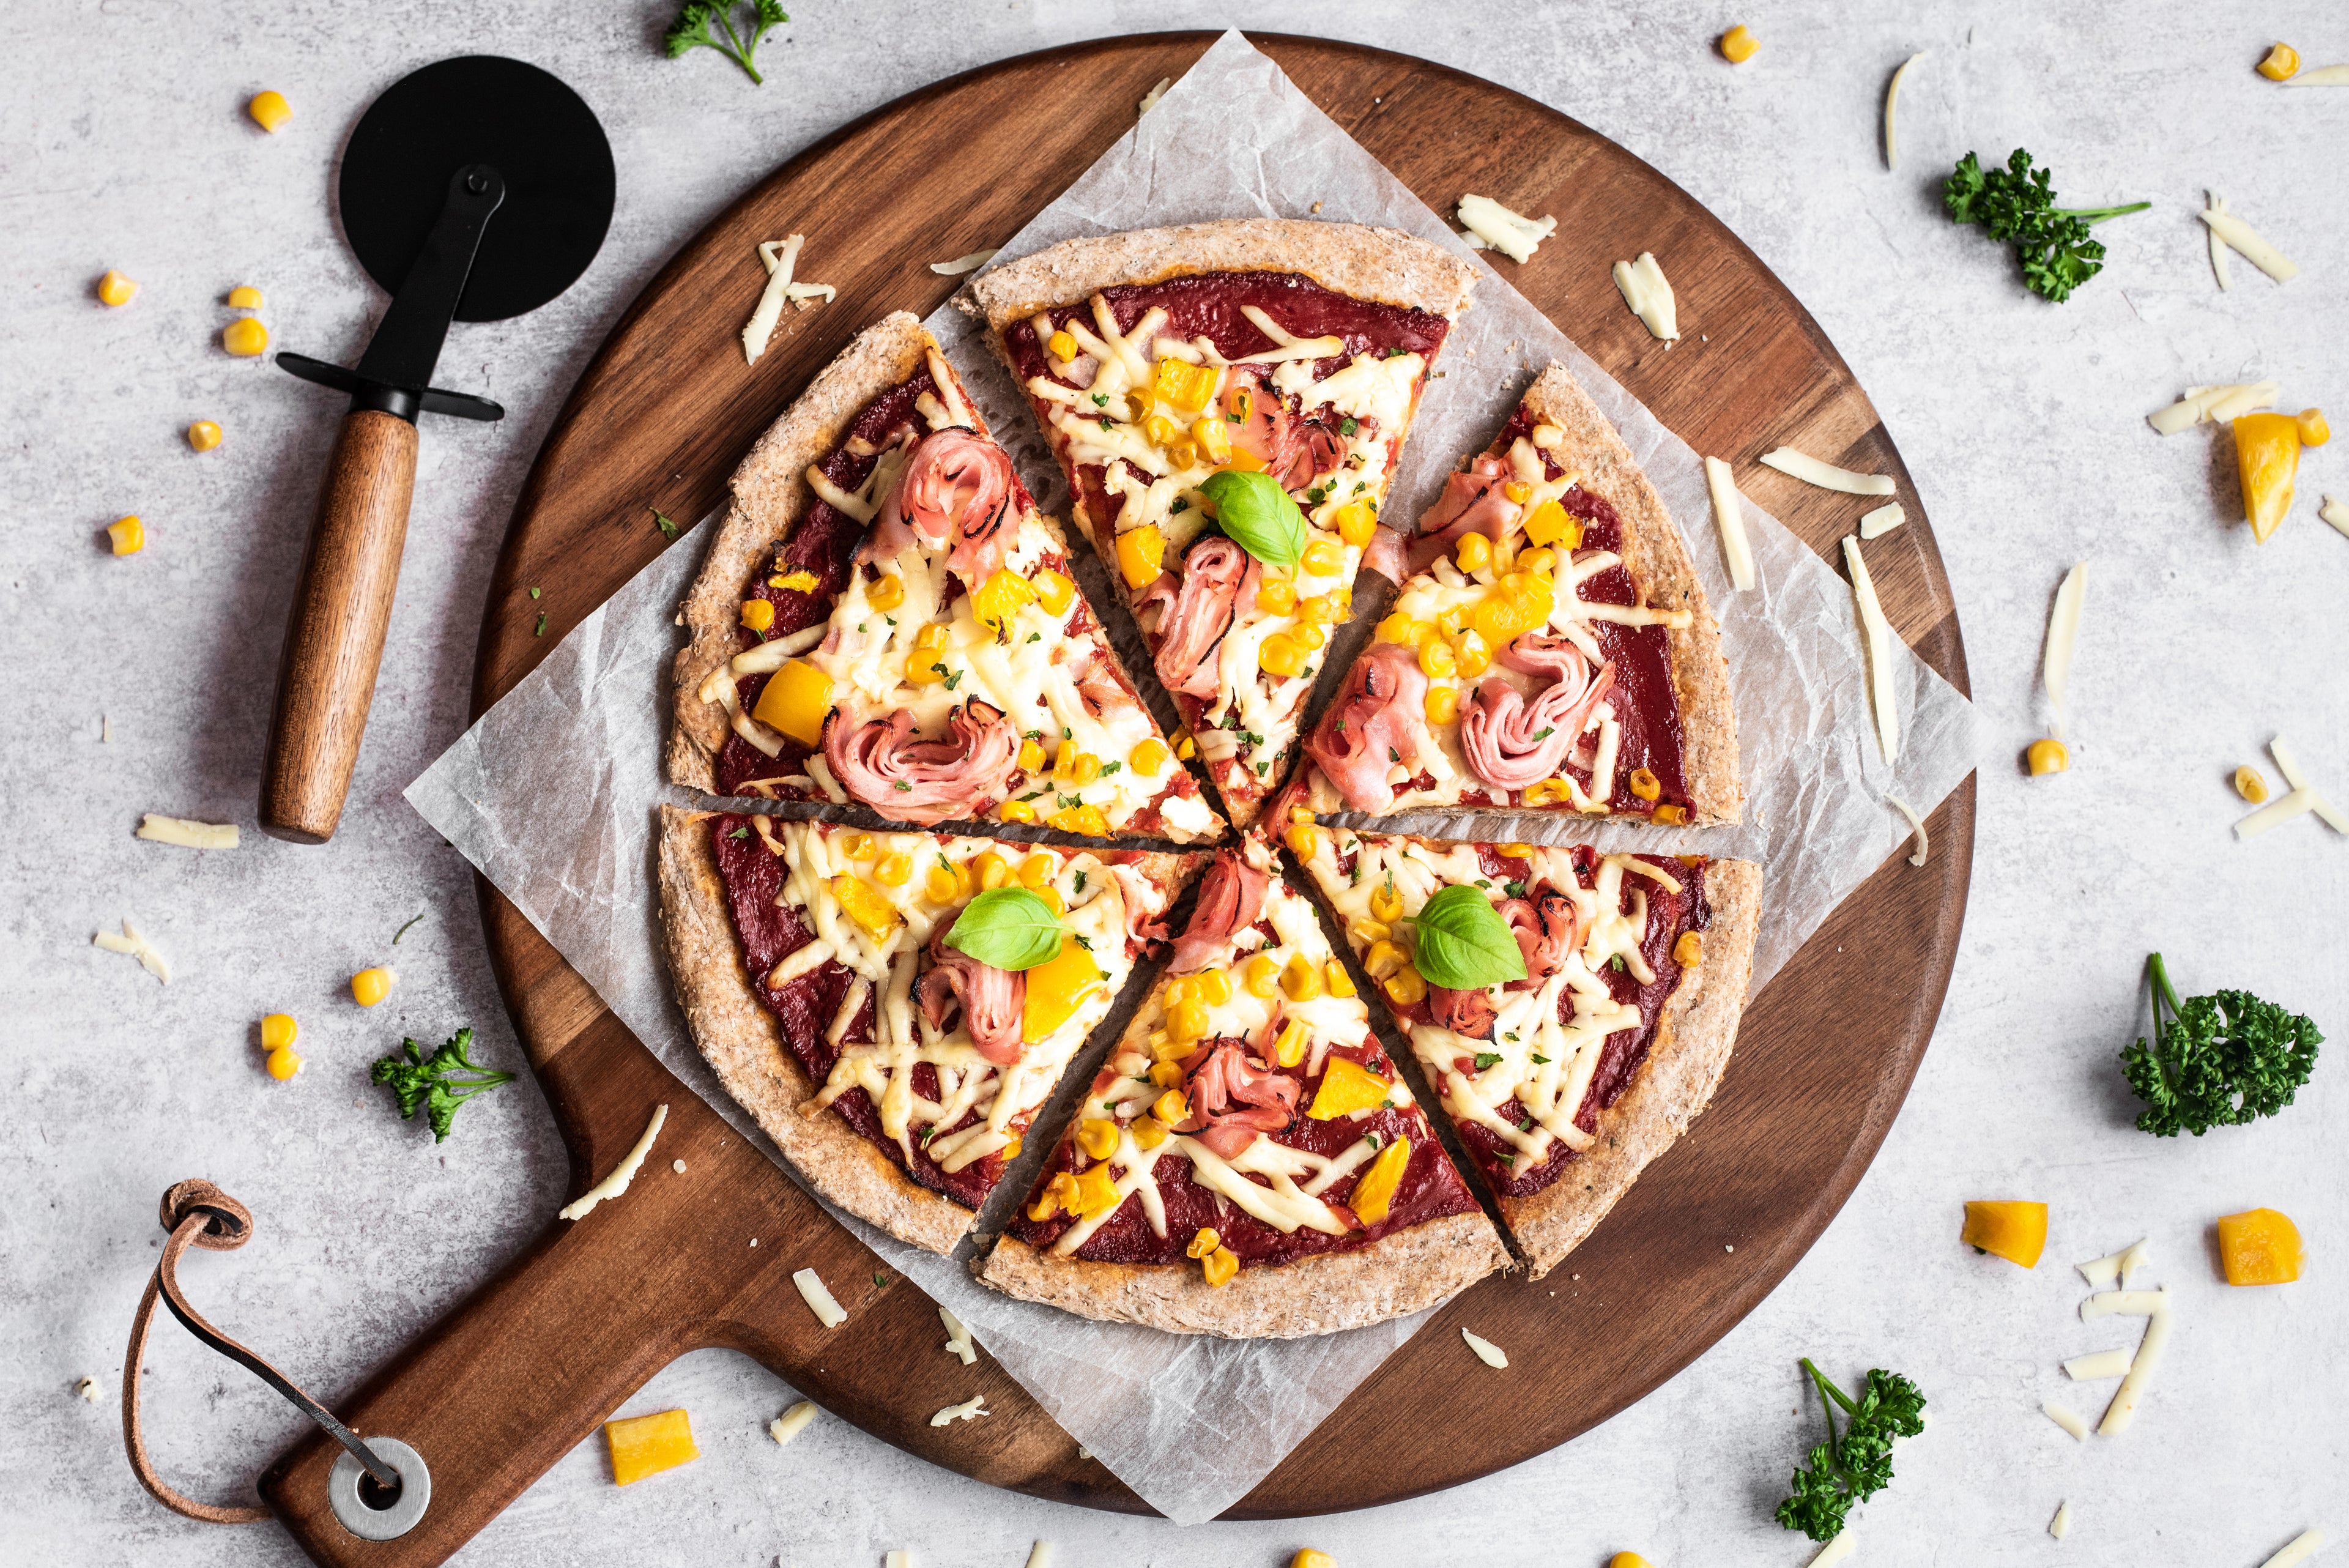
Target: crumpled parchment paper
551,793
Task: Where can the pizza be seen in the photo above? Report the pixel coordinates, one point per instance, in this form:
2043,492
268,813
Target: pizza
1248,1161
824,972
1552,649
1228,402
886,619
1566,1078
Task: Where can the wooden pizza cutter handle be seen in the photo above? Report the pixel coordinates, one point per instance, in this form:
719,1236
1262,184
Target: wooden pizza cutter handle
334,637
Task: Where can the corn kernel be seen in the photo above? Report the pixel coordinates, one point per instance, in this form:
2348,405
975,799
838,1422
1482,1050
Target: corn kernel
1015,811
116,289
1215,440
1437,658
941,884
1204,1242
1177,991
1471,654
1300,814
1137,407
1538,563
1098,1137
1325,609
1187,1022
1627,1560
370,986
1304,840
1064,760
1322,558
129,536
270,110
1261,976
2251,784
1340,983
1367,930
1218,1266
1645,784
277,1031
1087,769
1148,1133
245,337
1289,1050
887,592
1171,1107
1010,1151
1498,619
1279,654
1032,754
1518,490
284,1062
1688,951
2281,64
894,870
1037,871
1168,1074
1301,980
1738,44
2313,431
204,435
1308,1558
1054,591
1276,596
1386,904
1474,554
1310,636
925,666
2048,756
1667,814
1085,821
1442,704
1406,987
1358,524
1140,554
1162,430
1504,555
1185,747
1061,347
758,614
1214,988
989,870
1150,758
1384,960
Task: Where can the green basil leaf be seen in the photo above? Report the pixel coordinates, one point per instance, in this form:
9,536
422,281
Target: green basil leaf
1463,942
1010,928
1257,515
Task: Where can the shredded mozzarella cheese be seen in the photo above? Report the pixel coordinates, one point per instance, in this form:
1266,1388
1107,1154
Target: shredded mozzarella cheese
1880,641
1644,289
134,941
1486,1351
159,829
616,1183
1492,227
1729,517
819,1299
792,1422
1826,476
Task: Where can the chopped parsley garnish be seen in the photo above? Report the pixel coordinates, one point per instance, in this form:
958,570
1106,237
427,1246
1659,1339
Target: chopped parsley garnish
1181,504
738,833
1616,963
1539,1061
1545,732
667,526
904,786
1109,768
1101,400
1079,884
1035,637
1856,1464
1514,889
1487,1059
1068,800
1347,427
534,593
540,630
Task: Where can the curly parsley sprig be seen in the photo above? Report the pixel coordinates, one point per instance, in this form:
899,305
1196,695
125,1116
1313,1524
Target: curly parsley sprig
1856,1464
706,24
2216,1061
2017,206
436,1084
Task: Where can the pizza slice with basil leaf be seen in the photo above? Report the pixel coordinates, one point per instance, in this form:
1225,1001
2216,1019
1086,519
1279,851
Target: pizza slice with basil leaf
1247,1162
1229,401
1573,1010
894,1008
1553,649
886,619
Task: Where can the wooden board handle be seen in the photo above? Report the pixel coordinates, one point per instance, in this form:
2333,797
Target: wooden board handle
334,637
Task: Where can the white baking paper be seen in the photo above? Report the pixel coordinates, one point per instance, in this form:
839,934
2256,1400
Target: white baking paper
552,793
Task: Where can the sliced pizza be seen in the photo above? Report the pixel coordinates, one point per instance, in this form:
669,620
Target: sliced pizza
885,619
1229,401
894,1008
1247,1162
1553,649
1574,1010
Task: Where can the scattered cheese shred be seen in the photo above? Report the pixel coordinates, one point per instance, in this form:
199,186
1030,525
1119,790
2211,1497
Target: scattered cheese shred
1492,227
961,265
970,1410
2103,1364
1882,521
2322,75
1835,1550
1040,1555
1916,825
2063,640
2069,1420
898,1560
2123,1409
778,256
1826,476
2116,1268
1650,297
819,1300
1878,633
88,1390
792,1422
1729,514
1892,111
1486,1351
2218,203
2308,1543
2240,236
2122,1304
1150,99
187,835
2289,765
2276,812
134,941
2061,1525
2335,511
2213,405
622,1174
959,1341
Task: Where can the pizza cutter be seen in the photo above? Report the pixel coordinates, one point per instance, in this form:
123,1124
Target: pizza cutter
473,189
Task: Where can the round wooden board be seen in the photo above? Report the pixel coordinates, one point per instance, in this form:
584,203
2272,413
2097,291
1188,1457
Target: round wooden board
1826,1053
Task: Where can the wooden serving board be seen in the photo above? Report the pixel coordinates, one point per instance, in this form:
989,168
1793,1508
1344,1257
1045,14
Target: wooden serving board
525,1369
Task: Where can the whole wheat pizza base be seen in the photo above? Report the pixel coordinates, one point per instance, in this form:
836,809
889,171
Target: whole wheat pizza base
741,1040
1404,1272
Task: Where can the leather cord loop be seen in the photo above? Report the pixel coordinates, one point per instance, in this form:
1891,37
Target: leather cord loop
199,1214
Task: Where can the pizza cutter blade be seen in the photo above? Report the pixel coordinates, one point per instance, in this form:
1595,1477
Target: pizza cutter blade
473,189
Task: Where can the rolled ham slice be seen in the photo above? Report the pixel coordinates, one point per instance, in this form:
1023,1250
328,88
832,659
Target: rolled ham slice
991,998
1213,575
1511,744
880,763
1473,503
1231,900
957,485
1548,930
1234,1100
1468,1013
1378,721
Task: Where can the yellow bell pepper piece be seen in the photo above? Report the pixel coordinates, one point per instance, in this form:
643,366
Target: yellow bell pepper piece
1056,988
2267,460
1182,385
2015,1232
2260,1247
1140,554
1373,1197
868,908
647,1445
1096,1193
795,699
1347,1086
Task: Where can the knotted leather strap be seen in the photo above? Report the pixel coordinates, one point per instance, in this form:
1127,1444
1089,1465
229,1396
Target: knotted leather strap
199,1214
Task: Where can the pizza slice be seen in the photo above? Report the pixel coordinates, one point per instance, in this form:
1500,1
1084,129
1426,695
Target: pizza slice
1247,1162
1229,401
1553,649
894,1008
1592,1003
885,617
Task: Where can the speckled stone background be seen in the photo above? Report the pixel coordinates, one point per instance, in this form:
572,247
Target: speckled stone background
123,144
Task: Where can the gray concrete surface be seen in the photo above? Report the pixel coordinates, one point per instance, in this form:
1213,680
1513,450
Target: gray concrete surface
122,143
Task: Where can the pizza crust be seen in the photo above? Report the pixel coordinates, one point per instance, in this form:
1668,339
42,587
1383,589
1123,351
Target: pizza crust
1381,264
1694,1035
1658,559
770,498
